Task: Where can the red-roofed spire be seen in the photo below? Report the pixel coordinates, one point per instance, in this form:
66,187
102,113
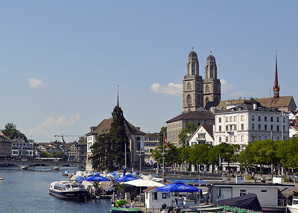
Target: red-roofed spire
276,87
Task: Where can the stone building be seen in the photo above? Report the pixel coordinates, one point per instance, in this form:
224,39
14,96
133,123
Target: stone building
199,92
199,95
134,134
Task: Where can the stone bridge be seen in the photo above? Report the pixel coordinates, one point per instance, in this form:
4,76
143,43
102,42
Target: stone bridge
33,163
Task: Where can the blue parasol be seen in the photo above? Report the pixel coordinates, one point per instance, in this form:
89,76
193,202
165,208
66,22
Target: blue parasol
126,178
177,186
97,178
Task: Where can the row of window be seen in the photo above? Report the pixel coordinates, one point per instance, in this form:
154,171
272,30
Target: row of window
253,118
265,127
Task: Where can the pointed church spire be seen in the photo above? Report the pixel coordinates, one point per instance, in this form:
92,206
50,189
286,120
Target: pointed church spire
118,96
276,86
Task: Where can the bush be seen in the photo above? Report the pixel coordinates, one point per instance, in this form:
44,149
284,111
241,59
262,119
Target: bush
249,177
121,203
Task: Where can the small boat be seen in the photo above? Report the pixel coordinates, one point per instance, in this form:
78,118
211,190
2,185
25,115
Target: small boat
294,207
207,209
1,178
125,210
69,190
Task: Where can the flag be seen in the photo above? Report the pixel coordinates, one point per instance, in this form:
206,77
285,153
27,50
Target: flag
142,145
166,142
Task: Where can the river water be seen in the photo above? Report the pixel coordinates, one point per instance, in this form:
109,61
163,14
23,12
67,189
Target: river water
28,191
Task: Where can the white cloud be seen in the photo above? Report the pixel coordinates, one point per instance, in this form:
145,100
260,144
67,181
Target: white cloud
170,89
36,83
225,86
51,122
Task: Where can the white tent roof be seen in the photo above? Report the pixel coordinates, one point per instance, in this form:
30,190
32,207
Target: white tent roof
143,183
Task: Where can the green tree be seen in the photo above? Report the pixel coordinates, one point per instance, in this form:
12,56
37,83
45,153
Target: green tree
108,152
187,131
171,155
11,132
199,154
287,152
246,157
163,131
45,154
227,152
264,152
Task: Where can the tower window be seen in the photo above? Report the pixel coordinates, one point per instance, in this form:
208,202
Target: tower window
188,86
207,88
193,68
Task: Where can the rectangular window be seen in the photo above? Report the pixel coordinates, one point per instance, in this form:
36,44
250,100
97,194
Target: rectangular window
242,192
219,128
253,118
235,118
219,139
235,138
265,127
277,119
242,126
227,139
265,118
277,128
263,190
242,117
227,128
271,127
259,118
271,119
242,138
253,126
219,120
230,118
227,119
259,126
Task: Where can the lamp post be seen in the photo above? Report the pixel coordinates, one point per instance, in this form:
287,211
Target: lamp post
163,158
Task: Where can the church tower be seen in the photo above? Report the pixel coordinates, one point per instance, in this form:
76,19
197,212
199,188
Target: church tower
192,85
276,86
212,86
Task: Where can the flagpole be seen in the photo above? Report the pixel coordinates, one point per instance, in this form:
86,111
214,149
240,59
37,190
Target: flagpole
163,160
125,155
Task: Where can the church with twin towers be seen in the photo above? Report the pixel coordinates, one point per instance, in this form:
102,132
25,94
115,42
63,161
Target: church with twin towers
198,91
199,95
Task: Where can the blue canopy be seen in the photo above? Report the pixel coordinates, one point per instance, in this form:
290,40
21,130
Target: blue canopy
97,177
177,186
80,179
126,178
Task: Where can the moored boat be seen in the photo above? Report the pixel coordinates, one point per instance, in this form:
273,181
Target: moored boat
1,178
69,190
294,207
119,210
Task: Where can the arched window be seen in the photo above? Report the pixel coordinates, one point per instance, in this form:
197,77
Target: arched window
188,100
211,71
207,88
199,100
193,68
188,86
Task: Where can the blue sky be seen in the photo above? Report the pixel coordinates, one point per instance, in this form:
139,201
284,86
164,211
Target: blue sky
61,61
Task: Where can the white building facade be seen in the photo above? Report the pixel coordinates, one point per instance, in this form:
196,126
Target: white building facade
250,121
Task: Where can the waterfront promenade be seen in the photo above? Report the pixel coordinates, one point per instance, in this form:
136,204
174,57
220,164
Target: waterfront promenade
27,163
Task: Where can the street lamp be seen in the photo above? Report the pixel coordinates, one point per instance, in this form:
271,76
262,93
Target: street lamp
163,158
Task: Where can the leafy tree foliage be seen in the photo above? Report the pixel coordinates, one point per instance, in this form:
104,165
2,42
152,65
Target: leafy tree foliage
186,132
171,155
44,154
11,132
163,131
287,152
108,152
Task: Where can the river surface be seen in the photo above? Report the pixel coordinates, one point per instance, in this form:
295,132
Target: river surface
28,191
